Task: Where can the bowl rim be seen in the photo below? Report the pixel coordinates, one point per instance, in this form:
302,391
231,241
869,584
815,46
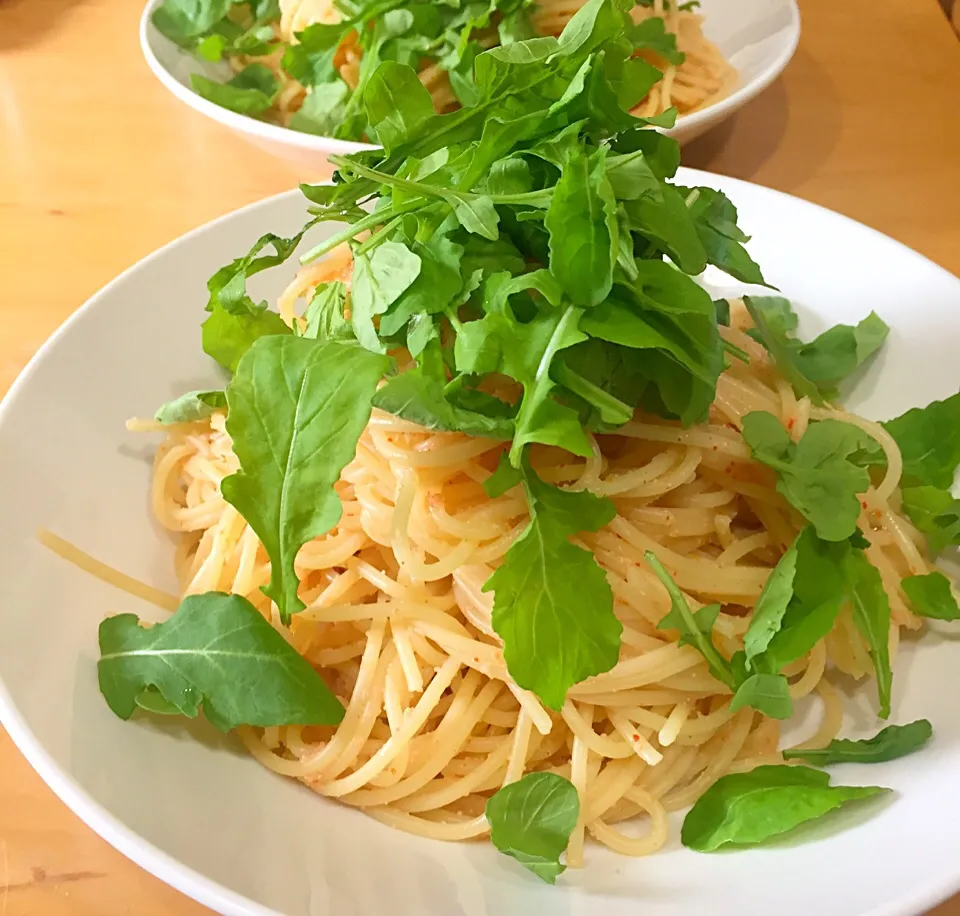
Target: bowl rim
95,816
166,867
690,123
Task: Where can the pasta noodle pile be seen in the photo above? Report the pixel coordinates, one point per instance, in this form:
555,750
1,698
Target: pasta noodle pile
399,626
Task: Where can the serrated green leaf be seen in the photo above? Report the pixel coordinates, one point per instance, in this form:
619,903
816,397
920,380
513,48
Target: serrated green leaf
296,410
888,744
746,809
216,652
553,607
532,819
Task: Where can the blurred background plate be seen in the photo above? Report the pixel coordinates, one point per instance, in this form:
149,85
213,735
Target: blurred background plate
758,37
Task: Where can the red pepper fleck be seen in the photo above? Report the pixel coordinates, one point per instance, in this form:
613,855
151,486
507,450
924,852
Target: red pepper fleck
790,423
863,503
636,737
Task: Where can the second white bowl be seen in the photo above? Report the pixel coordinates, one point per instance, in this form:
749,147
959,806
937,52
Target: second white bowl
758,37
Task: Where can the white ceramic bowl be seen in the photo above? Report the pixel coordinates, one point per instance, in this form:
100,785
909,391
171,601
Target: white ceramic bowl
193,808
757,36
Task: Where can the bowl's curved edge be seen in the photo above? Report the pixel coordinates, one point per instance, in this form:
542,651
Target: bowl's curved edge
170,870
688,127
243,124
146,855
699,122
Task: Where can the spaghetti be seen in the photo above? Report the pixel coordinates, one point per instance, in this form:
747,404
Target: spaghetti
397,621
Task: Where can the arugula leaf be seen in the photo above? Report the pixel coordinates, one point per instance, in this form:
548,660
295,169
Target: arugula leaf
665,310
595,23
820,586
436,287
652,35
815,475
816,368
228,286
723,311
324,315
612,411
715,219
771,606
931,596
553,607
664,220
871,614
296,410
582,224
929,440
525,351
217,652
768,693
323,110
504,478
151,700
631,176
183,21
418,395
746,809
378,281
194,405
310,60
251,91
839,351
478,215
397,104
532,819
774,319
936,513
227,336
660,152
695,627
888,744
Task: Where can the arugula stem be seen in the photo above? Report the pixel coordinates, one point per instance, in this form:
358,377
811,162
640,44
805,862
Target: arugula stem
403,184
704,643
376,237
553,345
526,197
368,222
593,394
571,313
734,350
454,320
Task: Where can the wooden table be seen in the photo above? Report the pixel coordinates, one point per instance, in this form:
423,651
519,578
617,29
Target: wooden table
99,166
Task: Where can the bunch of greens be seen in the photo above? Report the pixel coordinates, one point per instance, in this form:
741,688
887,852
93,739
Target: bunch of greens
534,237
415,33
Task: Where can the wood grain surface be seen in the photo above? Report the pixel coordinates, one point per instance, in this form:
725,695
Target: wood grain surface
99,166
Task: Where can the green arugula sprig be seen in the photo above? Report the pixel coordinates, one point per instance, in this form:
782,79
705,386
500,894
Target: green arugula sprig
217,652
531,820
888,744
815,368
746,809
766,691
